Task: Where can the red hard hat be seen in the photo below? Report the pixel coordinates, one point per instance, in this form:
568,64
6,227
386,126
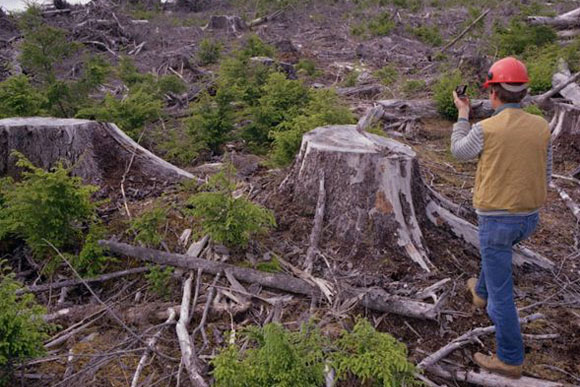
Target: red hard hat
507,70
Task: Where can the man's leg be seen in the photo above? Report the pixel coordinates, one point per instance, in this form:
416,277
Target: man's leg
496,240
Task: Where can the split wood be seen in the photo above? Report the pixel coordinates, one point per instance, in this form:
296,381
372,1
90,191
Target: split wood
467,338
317,228
151,344
571,204
188,356
372,298
484,378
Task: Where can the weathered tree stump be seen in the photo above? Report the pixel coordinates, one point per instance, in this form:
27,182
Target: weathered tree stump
375,196
565,121
233,24
100,153
371,186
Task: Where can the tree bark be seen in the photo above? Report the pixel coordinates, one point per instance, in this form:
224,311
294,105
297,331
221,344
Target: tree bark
567,20
99,152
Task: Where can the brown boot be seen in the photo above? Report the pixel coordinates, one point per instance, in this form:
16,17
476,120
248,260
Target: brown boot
494,364
476,299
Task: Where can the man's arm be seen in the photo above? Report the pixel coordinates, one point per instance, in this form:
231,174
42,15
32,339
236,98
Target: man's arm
466,144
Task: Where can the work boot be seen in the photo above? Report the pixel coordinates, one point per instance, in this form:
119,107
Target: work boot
494,364
476,299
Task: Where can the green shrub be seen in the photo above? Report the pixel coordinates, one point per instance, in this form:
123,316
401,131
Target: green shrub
278,357
282,99
324,108
308,67
381,25
212,121
372,356
388,75
147,226
443,94
130,114
378,130
520,36
43,46
542,63
45,205
22,328
159,280
226,219
413,86
92,259
19,99
533,109
351,78
209,52
430,35
243,78
254,46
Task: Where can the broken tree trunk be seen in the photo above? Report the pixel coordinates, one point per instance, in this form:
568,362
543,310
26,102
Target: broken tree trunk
418,108
375,197
565,21
565,121
99,152
374,298
570,92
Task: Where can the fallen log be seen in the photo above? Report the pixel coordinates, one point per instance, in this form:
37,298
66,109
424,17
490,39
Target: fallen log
375,298
565,21
484,378
97,151
401,108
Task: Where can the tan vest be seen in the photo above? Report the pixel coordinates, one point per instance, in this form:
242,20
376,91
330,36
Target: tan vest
511,172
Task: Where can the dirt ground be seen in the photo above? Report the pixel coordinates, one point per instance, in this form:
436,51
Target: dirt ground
321,32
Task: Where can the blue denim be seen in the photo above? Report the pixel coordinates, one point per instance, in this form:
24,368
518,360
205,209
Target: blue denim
497,235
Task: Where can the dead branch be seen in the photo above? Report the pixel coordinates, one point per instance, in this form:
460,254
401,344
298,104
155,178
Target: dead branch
188,356
317,228
542,100
484,378
71,283
109,310
150,345
467,338
571,204
465,31
209,300
375,299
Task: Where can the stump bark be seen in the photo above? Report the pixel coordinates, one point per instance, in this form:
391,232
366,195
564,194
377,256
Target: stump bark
375,196
100,153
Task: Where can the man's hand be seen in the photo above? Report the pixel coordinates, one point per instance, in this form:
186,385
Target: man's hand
462,105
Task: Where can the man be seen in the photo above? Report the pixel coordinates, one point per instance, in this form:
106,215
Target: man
514,168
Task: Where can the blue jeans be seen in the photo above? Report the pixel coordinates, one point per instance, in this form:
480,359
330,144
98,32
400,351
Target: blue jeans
497,235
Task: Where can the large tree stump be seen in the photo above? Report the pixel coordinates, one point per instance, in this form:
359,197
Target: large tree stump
375,196
100,153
